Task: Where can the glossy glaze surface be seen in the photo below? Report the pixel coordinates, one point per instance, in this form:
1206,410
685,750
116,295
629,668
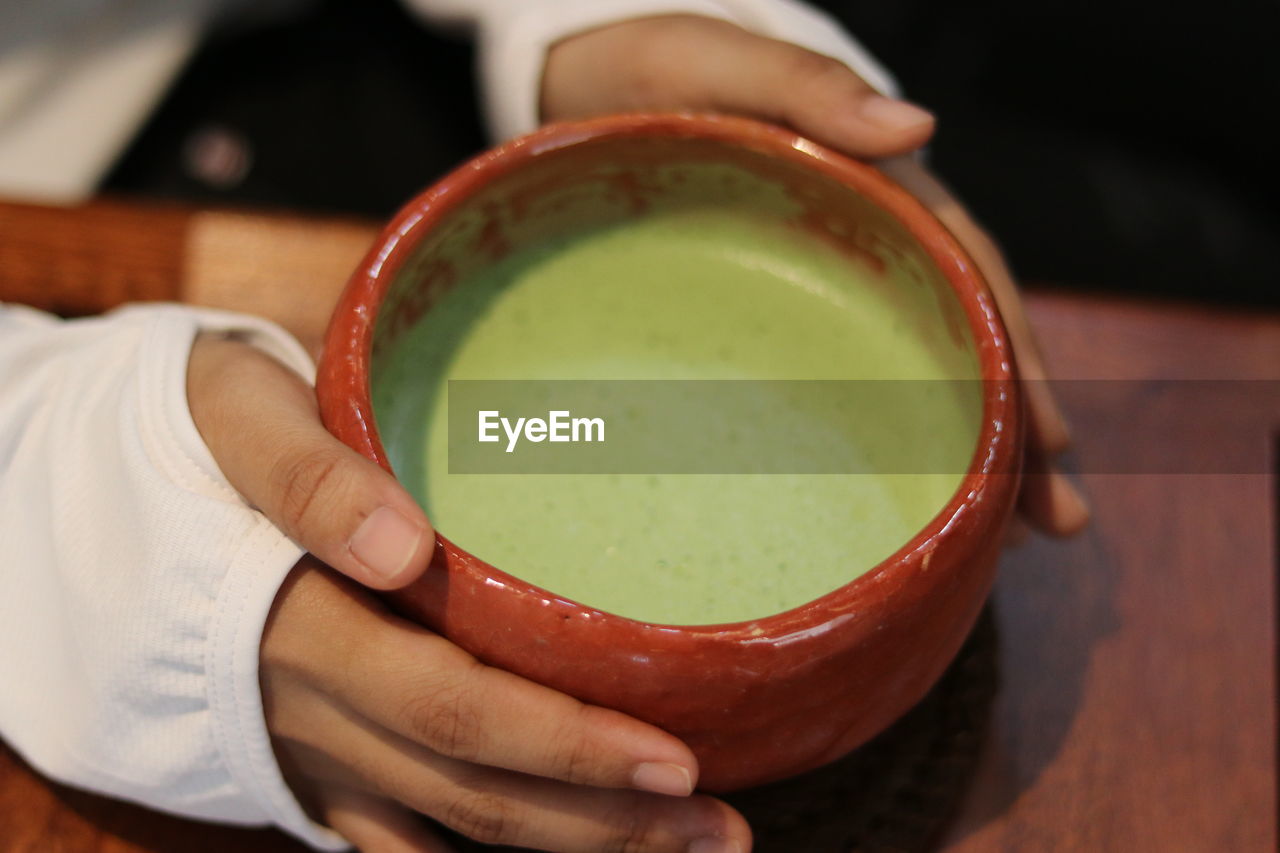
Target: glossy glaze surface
756,700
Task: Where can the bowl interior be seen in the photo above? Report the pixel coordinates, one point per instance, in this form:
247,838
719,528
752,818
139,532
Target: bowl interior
522,201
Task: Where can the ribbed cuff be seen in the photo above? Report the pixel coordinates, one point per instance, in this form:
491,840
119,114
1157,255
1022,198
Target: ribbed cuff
262,560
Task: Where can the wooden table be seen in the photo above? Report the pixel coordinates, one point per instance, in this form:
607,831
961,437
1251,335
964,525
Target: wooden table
1138,662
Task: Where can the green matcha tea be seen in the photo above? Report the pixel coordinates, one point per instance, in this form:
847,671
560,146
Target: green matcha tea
690,294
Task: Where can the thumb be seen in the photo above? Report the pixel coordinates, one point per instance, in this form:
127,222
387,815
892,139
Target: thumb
825,100
689,62
260,422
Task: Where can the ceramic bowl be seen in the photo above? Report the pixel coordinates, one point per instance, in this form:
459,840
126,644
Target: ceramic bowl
758,700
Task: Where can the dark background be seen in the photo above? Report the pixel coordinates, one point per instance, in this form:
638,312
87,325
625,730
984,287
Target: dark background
1124,147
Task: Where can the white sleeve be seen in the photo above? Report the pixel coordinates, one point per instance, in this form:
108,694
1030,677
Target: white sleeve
514,35
135,581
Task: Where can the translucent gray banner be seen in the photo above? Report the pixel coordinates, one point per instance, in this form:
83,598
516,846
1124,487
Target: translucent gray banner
844,427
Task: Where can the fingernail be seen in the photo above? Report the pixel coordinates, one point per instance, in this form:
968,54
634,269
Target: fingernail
715,845
386,542
663,778
893,115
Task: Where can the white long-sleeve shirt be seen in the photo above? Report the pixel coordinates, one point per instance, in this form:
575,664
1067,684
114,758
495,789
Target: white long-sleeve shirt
135,582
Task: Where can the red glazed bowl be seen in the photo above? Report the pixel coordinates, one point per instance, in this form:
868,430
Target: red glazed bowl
759,700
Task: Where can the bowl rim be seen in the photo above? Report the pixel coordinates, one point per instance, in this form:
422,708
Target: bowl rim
343,375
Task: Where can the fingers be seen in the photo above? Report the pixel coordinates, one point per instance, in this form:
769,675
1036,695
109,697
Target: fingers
1052,504
1049,424
261,424
496,806
326,739
377,825
688,62
427,690
1049,501
435,694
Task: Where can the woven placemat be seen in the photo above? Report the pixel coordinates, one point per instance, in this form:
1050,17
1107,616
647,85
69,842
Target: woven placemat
895,793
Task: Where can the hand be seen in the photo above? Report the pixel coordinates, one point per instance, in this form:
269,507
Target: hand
261,423
1048,502
683,62
687,62
376,720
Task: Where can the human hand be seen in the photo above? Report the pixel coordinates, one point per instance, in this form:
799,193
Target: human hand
376,720
261,423
688,62
1048,501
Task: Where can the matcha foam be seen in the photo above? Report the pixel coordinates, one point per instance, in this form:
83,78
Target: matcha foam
689,294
